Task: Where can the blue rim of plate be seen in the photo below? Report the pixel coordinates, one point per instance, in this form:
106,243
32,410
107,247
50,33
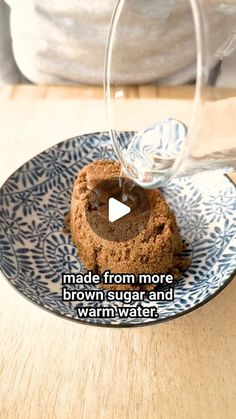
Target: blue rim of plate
122,324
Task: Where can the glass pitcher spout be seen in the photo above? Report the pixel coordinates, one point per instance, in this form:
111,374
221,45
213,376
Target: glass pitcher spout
159,152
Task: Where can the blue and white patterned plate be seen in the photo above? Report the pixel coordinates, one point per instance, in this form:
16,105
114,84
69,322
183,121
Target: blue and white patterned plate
35,251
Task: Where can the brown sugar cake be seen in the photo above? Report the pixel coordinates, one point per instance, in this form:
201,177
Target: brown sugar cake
156,249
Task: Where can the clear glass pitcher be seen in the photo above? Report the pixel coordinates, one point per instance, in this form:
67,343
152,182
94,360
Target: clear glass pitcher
178,58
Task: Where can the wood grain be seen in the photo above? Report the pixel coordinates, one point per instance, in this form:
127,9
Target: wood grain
53,368
232,177
18,92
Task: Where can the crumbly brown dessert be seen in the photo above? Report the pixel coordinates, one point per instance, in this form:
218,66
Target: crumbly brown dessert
155,250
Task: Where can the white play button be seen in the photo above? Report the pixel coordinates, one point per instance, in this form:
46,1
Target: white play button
116,209
113,218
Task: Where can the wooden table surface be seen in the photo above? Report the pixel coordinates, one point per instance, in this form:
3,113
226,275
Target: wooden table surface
53,368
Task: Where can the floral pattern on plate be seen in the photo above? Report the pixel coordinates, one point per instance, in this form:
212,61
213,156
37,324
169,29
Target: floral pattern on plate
35,250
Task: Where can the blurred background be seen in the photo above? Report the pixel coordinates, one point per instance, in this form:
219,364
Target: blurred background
63,42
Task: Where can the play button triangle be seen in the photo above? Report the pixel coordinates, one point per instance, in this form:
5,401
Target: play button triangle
116,210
